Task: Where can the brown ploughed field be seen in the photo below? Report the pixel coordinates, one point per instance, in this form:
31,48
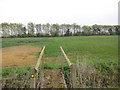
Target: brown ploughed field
19,56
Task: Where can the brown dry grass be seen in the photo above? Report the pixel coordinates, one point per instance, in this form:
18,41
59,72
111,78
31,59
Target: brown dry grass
90,77
19,56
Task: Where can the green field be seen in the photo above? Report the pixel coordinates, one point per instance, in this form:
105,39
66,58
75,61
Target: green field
98,50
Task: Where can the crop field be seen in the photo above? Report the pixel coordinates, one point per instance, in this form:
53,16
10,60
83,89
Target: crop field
100,52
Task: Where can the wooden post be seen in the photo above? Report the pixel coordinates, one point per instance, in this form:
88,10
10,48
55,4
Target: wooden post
42,71
39,78
73,75
62,62
43,62
32,82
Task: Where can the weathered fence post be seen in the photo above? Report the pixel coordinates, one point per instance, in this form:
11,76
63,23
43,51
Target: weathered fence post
42,70
73,75
32,83
37,77
62,62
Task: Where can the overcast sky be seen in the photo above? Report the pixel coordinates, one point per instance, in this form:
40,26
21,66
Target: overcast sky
83,12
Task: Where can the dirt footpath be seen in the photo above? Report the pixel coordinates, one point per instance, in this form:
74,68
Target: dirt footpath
19,56
53,79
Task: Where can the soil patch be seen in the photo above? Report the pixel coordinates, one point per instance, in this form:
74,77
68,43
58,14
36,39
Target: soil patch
19,56
53,79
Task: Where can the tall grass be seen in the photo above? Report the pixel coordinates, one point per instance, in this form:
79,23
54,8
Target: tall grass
20,77
90,76
16,77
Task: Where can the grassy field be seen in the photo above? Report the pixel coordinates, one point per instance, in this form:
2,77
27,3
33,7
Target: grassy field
98,50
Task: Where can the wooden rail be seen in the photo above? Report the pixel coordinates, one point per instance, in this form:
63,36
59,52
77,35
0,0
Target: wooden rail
35,70
72,68
39,59
68,61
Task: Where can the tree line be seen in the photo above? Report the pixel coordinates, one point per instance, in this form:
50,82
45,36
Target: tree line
55,30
